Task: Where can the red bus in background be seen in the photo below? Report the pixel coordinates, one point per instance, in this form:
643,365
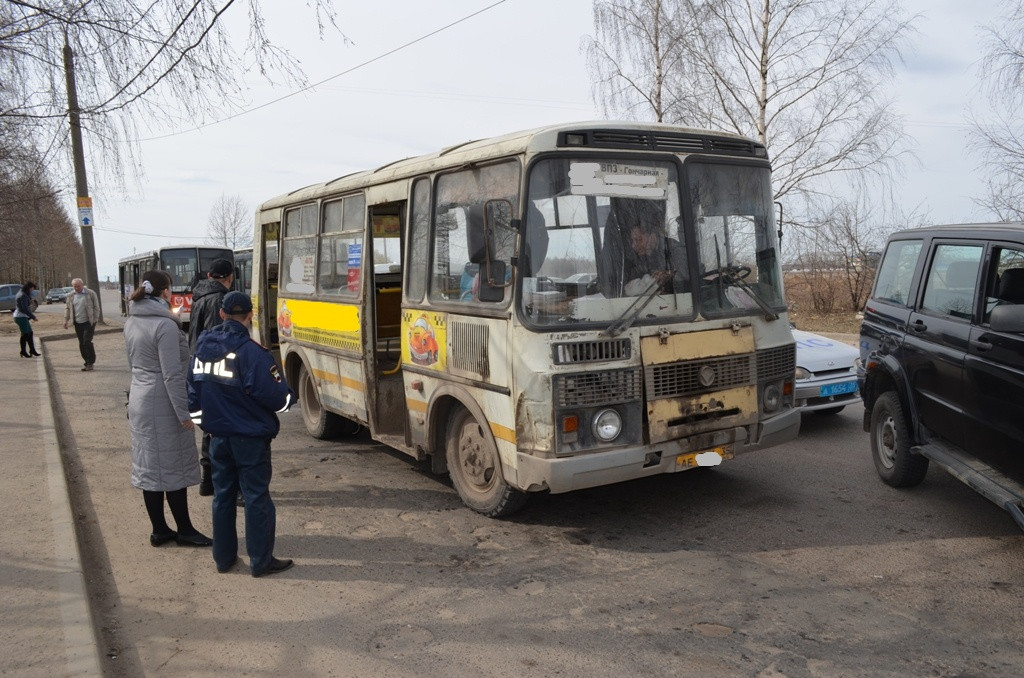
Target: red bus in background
187,264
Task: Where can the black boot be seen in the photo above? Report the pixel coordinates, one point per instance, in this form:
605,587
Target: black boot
30,340
206,484
24,353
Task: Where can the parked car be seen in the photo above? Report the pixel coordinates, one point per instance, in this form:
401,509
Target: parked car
9,291
942,345
826,374
58,294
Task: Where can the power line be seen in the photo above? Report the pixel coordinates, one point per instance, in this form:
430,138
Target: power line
459,96
333,77
151,235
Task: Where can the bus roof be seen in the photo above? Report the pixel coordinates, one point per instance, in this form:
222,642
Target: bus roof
156,250
610,135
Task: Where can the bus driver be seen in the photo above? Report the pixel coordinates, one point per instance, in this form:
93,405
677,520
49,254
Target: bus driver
646,251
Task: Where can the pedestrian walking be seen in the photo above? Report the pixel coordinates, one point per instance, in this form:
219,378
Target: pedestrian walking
164,459
24,317
207,296
235,392
82,307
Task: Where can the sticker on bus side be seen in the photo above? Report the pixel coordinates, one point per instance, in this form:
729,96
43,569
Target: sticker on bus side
425,336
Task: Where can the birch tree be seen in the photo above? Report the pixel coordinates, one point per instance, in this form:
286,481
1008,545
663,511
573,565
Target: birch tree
1000,141
230,223
637,52
804,77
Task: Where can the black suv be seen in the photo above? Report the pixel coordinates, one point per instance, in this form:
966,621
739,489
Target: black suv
942,353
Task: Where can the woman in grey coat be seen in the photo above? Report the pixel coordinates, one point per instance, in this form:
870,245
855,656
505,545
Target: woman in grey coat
164,457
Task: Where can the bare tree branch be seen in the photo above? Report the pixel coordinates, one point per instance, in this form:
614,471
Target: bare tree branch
1000,143
802,76
230,222
148,62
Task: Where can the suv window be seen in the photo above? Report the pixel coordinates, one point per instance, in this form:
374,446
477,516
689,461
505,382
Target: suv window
953,280
1007,285
897,271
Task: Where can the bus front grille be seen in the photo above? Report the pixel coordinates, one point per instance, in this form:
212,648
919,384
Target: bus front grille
776,363
684,379
591,351
596,388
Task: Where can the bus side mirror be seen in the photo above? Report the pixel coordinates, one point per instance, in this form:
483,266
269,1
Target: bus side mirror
492,281
478,239
483,233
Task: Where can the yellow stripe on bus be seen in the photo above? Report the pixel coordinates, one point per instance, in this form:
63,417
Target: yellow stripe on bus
503,433
338,379
500,432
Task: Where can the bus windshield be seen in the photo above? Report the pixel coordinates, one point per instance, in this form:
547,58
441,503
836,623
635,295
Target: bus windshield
187,265
605,239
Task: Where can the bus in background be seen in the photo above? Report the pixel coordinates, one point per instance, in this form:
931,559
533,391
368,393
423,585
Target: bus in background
187,264
546,311
243,271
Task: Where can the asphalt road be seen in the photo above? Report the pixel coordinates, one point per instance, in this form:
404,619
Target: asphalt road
794,561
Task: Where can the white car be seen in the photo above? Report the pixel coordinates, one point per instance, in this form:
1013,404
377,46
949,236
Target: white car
826,378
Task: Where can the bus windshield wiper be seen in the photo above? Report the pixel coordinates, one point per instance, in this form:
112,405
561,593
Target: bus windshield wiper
736,275
630,315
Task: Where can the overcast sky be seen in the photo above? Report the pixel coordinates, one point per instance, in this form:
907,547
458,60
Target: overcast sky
514,66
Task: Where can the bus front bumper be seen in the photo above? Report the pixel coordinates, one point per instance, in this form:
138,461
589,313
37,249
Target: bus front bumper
557,475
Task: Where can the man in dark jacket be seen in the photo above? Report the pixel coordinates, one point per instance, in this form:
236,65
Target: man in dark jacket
235,390
637,251
207,296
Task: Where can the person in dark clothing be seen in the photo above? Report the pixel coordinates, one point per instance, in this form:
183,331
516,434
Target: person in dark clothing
235,391
23,316
207,296
637,250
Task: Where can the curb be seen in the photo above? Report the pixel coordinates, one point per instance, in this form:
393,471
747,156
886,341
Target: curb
80,642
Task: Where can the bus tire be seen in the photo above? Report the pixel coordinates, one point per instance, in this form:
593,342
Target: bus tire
475,468
890,444
320,423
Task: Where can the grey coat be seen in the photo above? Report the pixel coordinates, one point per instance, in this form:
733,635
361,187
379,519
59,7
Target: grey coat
164,455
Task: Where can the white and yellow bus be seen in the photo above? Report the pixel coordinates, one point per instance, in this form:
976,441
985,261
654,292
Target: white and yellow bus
545,311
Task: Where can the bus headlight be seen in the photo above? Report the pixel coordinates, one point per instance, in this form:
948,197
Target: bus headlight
772,398
607,425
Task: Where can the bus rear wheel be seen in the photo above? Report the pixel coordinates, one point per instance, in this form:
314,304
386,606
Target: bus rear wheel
320,423
475,469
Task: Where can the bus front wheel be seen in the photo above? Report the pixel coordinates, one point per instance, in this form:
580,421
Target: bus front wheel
475,469
320,423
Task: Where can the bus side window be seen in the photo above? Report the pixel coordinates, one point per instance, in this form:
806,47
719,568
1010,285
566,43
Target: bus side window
461,200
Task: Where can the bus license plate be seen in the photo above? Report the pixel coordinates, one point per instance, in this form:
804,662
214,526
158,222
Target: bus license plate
839,389
712,457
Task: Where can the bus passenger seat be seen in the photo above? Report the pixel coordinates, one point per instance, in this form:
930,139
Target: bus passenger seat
389,312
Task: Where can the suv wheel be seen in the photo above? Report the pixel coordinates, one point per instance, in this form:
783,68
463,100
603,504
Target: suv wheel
890,444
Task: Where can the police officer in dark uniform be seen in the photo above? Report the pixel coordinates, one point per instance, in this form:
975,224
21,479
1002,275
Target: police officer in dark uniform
235,391
207,298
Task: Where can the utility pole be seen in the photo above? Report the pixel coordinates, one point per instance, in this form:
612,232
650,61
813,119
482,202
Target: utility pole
81,184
